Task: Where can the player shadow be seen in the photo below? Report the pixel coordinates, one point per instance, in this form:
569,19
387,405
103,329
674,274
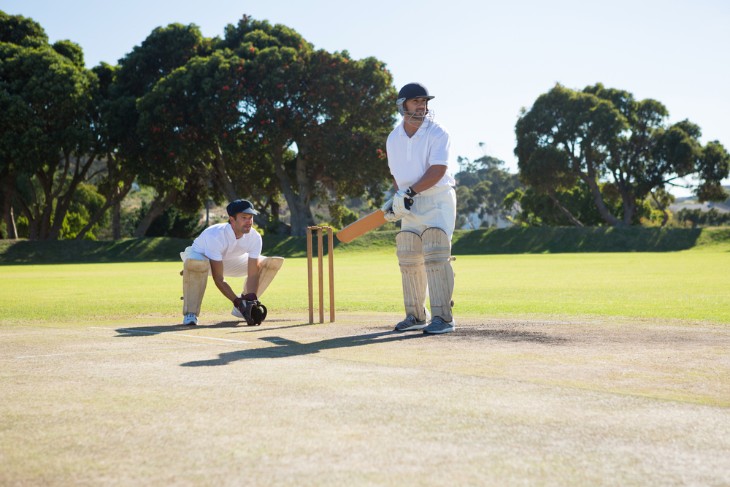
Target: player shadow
283,347
139,331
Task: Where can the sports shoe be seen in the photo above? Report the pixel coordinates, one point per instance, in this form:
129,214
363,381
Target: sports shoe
237,313
190,319
411,323
439,325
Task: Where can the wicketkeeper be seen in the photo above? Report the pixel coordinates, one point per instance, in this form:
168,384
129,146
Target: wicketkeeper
425,204
230,249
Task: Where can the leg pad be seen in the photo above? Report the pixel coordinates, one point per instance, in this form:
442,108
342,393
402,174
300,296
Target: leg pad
195,279
440,275
409,249
268,268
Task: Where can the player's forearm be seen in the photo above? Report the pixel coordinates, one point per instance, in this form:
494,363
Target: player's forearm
252,284
432,176
226,289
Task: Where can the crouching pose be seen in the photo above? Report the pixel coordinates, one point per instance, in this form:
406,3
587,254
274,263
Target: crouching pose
230,249
425,204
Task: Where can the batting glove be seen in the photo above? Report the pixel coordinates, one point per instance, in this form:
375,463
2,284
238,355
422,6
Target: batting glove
391,217
403,201
387,209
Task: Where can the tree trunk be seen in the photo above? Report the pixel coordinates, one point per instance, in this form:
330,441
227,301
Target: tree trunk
629,211
590,181
8,215
301,217
65,193
43,219
158,207
662,208
117,220
274,210
113,201
564,210
219,163
301,214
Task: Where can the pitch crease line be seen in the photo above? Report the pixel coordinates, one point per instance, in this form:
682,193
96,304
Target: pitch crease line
129,330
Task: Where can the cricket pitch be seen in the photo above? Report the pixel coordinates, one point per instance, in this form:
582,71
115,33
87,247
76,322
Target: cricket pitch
500,402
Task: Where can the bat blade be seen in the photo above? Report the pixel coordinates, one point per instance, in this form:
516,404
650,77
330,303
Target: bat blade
362,226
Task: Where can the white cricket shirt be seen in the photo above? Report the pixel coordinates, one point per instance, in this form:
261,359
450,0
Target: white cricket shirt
218,242
410,157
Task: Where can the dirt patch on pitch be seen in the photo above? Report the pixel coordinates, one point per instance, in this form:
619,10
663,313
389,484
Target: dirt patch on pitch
514,333
632,333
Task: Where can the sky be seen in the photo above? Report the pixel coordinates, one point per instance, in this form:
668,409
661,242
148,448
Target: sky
484,61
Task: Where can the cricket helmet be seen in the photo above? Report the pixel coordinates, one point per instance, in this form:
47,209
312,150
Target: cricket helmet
409,91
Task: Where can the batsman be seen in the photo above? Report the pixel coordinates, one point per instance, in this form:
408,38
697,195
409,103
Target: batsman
425,204
230,249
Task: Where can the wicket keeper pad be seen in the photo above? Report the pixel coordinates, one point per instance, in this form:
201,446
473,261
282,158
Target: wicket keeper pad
267,271
437,256
409,249
195,278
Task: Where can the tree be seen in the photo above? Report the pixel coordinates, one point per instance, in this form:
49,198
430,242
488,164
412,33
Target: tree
162,52
18,31
193,113
482,186
45,138
86,201
610,142
115,179
21,31
259,113
321,117
573,206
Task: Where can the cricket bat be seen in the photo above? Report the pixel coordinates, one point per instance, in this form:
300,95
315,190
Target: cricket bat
362,226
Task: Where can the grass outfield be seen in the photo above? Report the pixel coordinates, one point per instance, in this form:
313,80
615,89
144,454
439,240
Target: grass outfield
566,369
687,285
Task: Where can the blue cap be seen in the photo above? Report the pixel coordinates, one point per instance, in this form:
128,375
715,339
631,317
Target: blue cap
240,206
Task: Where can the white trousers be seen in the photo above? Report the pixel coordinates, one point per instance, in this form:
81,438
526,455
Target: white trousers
435,207
237,267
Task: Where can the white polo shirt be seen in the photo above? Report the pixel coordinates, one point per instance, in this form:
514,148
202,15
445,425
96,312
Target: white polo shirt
410,157
218,242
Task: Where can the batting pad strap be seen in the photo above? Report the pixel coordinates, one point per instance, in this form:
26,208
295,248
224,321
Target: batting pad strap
440,275
195,279
409,249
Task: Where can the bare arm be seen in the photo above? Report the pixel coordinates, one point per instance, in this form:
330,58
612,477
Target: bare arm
216,268
252,280
432,176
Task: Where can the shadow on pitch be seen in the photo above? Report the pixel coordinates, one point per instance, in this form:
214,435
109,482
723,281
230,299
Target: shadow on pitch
287,348
139,331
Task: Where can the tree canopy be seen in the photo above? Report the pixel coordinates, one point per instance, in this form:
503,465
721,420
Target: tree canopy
46,134
259,113
610,144
482,186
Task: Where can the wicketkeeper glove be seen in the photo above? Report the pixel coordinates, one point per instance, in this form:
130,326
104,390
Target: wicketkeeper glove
251,308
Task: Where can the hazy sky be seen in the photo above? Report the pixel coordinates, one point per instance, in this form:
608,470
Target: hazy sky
483,60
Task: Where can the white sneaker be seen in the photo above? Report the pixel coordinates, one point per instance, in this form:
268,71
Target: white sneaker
190,319
237,313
